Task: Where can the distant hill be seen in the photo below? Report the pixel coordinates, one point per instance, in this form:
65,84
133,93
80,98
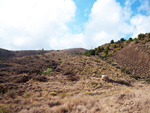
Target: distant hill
75,50
8,53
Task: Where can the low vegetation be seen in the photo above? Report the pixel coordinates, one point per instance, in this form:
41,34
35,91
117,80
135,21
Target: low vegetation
59,82
107,50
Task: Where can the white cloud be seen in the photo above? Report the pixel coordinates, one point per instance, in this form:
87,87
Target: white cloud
107,21
36,24
33,22
141,24
69,41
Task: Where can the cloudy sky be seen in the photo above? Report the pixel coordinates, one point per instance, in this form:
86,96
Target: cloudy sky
61,24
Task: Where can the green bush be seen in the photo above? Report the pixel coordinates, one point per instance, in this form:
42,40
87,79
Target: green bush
107,48
141,36
106,51
114,46
49,70
122,40
112,41
94,83
40,53
130,39
89,52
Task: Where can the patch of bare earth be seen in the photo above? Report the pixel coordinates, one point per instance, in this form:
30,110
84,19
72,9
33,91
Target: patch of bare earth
135,57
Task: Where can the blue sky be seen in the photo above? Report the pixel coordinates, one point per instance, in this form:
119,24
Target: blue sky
61,24
82,14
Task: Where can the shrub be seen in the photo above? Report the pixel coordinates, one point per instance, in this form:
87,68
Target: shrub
118,42
114,46
145,40
112,41
109,54
136,77
141,36
4,109
49,70
135,41
147,80
121,46
89,52
130,39
122,40
94,83
27,95
104,55
123,82
53,93
40,53
107,48
115,50
106,51
123,69
63,94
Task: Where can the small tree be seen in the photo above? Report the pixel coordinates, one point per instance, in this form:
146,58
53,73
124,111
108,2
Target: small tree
89,52
112,41
141,36
130,39
122,39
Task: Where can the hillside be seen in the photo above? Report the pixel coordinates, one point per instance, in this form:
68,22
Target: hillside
9,54
136,58
62,82
65,81
131,56
6,53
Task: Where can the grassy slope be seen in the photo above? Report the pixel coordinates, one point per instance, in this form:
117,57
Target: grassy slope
74,85
131,55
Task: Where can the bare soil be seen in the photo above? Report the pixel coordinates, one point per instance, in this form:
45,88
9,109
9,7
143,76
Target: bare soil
136,58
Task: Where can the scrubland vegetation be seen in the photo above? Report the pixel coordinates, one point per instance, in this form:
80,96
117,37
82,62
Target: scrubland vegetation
62,82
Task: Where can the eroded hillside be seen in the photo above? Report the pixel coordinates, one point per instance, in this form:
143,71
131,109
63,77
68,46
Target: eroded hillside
136,58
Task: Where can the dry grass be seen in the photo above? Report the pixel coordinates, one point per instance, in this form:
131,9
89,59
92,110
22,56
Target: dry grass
122,102
73,86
